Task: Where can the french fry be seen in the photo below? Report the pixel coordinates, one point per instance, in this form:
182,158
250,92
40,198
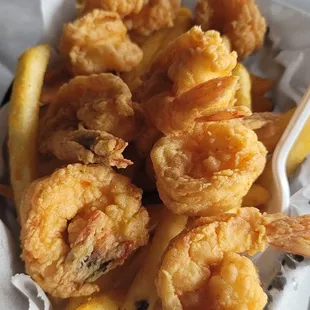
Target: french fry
104,301
142,293
243,94
154,43
256,196
24,118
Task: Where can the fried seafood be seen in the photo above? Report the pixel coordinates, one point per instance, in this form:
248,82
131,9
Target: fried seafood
269,127
89,121
157,14
240,20
195,57
122,7
208,170
154,44
208,101
98,42
78,223
202,268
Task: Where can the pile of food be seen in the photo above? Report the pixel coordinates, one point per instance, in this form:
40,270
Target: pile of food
140,158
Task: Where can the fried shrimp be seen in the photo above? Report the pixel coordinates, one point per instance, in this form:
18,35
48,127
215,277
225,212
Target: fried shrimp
89,121
78,223
98,42
122,7
211,100
155,15
208,170
202,267
195,57
240,20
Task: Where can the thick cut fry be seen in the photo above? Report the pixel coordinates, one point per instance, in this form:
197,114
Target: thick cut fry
256,196
154,44
24,118
103,301
143,290
243,94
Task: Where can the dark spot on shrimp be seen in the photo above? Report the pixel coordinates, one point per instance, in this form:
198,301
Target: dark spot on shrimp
104,266
86,140
142,304
279,283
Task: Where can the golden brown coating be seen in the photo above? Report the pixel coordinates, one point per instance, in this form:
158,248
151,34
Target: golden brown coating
98,42
122,7
195,57
202,268
209,101
209,170
89,121
78,223
157,14
240,20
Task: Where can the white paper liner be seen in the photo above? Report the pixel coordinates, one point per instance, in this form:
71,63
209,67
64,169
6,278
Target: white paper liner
286,56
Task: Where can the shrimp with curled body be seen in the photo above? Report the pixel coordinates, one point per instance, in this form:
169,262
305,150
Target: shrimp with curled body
239,20
211,100
193,58
98,42
122,7
208,170
203,269
90,121
78,223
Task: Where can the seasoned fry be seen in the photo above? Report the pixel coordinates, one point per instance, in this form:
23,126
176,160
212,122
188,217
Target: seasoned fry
154,44
256,196
243,94
24,118
143,290
6,191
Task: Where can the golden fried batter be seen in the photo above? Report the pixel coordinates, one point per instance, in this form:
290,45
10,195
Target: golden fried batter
195,57
209,170
209,101
78,223
157,14
202,268
98,42
122,7
89,121
240,20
